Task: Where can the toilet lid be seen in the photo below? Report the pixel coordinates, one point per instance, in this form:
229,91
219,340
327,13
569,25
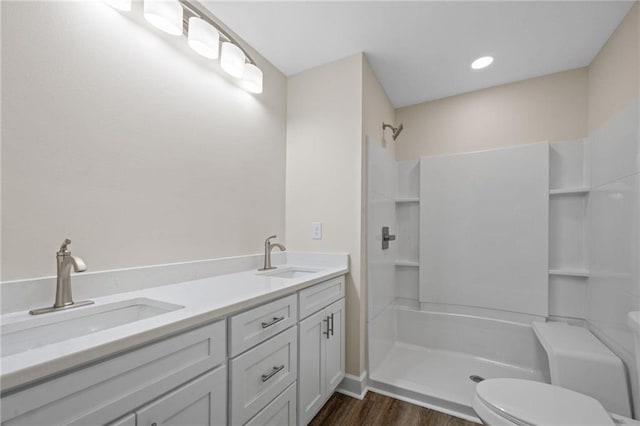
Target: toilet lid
526,402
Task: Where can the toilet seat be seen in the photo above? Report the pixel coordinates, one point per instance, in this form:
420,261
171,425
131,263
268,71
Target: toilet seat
528,403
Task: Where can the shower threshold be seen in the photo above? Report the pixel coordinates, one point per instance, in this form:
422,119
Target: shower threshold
439,379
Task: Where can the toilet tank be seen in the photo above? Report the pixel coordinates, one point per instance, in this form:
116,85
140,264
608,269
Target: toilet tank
580,362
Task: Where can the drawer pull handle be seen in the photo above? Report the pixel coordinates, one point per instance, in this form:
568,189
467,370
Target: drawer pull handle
273,372
273,321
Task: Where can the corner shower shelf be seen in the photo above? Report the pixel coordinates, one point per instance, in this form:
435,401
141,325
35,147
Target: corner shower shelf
570,272
408,200
560,191
407,263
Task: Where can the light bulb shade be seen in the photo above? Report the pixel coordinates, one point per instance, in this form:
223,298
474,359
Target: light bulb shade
232,59
124,5
203,38
165,15
252,78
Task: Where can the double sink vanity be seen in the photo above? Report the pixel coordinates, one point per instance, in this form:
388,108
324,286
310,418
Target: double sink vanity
233,346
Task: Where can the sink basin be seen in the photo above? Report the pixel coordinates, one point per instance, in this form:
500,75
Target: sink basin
56,327
289,273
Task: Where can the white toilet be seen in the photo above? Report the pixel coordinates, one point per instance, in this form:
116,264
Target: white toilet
511,402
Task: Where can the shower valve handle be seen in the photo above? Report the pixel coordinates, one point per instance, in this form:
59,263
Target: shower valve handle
386,237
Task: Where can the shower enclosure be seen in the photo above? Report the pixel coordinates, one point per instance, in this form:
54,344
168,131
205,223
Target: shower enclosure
452,298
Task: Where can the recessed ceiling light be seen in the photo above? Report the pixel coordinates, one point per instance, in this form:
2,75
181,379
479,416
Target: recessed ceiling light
483,62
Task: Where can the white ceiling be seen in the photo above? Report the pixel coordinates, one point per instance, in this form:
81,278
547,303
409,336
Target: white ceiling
422,50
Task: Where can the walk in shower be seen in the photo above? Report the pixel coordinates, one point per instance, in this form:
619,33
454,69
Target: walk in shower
452,298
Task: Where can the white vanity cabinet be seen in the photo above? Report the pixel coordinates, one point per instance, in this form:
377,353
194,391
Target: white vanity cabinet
272,364
322,346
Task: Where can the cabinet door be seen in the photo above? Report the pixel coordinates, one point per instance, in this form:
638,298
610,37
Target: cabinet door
311,379
334,347
202,401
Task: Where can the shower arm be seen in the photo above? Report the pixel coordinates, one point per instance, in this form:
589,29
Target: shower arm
394,130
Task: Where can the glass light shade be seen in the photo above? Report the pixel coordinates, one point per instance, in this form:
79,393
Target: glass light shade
203,38
165,15
252,78
483,62
232,59
124,5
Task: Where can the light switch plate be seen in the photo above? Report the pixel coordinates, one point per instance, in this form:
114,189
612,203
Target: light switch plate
316,230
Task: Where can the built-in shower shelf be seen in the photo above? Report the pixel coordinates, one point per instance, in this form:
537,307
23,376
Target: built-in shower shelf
579,190
408,200
570,272
407,263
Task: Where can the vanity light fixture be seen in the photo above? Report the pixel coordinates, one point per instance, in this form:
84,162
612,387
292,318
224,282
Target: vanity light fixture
483,62
164,15
178,17
203,38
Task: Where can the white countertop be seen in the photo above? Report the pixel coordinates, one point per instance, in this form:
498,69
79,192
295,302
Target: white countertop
204,300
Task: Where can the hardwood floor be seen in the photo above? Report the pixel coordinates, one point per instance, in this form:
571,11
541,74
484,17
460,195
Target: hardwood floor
380,410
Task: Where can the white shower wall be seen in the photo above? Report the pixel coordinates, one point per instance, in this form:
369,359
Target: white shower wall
392,200
614,234
381,211
381,193
483,229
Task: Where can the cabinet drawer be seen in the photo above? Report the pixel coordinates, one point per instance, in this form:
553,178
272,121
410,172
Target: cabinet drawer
257,325
102,392
280,412
259,375
314,298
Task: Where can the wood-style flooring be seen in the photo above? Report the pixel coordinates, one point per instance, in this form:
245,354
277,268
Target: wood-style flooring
380,410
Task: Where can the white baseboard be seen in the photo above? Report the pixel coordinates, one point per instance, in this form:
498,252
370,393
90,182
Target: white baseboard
354,386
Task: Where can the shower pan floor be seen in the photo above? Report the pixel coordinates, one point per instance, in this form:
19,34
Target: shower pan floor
442,375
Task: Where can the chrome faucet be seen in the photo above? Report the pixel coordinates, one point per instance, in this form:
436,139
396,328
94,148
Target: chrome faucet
65,262
268,247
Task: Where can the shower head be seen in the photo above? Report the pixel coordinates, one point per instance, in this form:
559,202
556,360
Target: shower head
395,130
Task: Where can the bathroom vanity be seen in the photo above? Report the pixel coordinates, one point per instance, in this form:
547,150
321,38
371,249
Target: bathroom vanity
243,348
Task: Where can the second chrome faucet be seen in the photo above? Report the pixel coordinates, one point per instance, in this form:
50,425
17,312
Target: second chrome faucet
268,247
